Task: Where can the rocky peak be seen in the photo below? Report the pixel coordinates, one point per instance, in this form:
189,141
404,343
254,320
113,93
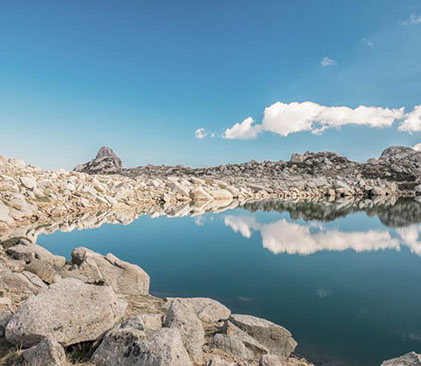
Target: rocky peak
105,162
397,153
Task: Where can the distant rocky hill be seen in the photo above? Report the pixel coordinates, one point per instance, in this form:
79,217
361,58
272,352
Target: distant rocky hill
397,164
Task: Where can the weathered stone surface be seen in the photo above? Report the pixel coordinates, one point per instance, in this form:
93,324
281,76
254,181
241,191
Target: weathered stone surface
181,316
165,347
70,312
135,322
232,346
15,287
4,213
152,321
269,360
199,194
42,269
217,361
221,194
128,347
121,347
47,353
123,277
409,359
5,317
28,251
28,182
277,339
207,310
238,334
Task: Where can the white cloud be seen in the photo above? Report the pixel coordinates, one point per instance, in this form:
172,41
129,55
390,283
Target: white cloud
413,19
368,42
326,61
417,147
283,119
243,131
287,237
409,236
200,133
412,121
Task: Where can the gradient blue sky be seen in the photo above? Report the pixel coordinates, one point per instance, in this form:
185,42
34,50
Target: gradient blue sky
142,76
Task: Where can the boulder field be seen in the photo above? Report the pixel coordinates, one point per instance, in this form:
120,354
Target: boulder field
102,305
31,195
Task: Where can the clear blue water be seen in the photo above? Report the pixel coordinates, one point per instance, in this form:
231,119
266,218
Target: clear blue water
348,289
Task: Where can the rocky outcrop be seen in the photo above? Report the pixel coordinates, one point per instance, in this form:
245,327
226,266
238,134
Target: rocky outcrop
277,339
91,267
70,312
127,347
105,162
123,328
207,310
409,359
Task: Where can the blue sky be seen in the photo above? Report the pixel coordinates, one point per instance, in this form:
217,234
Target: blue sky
143,76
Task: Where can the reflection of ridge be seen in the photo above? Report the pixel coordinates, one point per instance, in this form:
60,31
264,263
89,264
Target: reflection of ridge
287,237
392,213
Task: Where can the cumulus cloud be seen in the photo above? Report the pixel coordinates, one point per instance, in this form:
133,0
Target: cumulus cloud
412,121
284,118
326,61
200,133
243,130
413,19
367,42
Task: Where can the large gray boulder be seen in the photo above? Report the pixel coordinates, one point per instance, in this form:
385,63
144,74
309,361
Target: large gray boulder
128,347
123,277
409,359
47,353
120,347
277,339
105,162
70,312
207,310
232,346
180,316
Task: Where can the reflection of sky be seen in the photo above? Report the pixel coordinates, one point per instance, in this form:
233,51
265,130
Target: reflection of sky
298,237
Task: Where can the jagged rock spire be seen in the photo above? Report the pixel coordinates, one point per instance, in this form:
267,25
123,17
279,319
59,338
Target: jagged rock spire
105,162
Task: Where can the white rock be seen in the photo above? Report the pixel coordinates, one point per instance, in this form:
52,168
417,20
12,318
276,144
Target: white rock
69,312
29,182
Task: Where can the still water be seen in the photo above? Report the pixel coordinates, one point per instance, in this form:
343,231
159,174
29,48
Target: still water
345,281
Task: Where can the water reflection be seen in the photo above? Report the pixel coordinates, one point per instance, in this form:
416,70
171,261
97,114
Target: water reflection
289,237
354,302
281,236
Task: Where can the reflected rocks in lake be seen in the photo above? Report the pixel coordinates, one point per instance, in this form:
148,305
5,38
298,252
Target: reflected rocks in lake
398,213
391,212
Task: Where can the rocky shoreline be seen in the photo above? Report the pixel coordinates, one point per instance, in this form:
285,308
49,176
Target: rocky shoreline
31,195
97,310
